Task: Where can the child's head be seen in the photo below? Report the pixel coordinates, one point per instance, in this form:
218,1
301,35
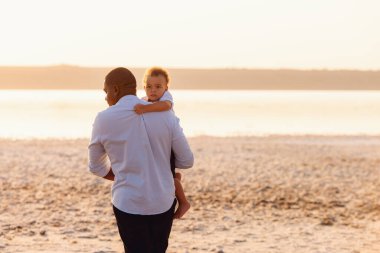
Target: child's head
156,82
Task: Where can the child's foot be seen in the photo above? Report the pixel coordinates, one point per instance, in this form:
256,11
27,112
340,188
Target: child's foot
181,210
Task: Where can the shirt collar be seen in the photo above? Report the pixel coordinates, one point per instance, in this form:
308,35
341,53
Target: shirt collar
128,101
126,98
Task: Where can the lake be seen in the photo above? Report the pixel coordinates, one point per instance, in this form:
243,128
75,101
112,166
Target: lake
70,113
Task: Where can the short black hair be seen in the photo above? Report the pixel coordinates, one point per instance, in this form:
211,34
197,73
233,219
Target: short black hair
121,77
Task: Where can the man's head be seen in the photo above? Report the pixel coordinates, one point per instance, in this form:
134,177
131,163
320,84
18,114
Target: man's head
156,82
119,83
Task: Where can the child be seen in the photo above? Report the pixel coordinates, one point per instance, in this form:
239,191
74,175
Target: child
156,87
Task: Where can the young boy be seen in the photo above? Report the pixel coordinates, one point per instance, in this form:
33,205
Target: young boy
156,82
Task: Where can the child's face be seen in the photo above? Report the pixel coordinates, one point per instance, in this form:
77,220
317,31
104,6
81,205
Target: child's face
155,87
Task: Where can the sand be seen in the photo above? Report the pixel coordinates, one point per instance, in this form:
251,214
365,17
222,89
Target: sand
248,194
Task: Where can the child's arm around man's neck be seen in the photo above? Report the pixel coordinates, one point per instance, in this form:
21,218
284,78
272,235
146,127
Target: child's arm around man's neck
158,106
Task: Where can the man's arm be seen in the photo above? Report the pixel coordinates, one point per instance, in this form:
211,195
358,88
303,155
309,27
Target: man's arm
184,158
98,163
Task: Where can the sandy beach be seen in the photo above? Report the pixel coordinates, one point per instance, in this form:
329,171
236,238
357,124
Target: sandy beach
249,194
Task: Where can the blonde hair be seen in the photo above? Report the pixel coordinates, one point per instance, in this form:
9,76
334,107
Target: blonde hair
156,71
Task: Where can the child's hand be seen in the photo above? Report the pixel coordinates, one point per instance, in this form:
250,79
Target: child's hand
139,109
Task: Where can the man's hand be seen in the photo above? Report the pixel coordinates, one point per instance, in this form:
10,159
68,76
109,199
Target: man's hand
139,108
110,175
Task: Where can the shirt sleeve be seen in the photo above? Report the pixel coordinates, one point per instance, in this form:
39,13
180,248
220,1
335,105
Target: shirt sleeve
167,97
184,158
98,163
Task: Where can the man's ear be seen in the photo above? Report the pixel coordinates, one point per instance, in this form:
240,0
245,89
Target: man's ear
116,89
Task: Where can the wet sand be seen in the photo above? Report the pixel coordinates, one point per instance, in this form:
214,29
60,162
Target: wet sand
248,194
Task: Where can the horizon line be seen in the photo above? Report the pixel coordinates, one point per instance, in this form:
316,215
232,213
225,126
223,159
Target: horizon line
192,68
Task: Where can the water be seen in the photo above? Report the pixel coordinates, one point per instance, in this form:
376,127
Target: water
70,113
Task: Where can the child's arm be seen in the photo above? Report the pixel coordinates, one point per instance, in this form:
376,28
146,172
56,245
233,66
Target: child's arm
159,106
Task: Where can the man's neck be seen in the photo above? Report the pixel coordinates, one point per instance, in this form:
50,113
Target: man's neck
123,96
127,94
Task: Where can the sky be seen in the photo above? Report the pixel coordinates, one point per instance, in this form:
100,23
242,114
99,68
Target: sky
303,34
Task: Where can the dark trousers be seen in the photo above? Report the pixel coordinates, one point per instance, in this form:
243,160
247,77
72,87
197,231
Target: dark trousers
172,163
145,233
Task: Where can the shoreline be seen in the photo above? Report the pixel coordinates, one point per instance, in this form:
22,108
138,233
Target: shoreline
253,136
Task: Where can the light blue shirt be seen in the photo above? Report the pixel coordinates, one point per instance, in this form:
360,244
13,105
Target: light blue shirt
138,148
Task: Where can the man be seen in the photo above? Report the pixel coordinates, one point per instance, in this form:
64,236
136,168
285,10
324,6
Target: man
138,148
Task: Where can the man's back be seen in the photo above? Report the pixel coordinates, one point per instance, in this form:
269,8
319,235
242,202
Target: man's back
139,149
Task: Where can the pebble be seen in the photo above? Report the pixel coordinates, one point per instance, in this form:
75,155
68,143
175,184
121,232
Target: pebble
240,240
88,236
328,221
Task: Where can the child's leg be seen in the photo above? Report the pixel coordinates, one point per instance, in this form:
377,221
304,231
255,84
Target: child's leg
183,204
